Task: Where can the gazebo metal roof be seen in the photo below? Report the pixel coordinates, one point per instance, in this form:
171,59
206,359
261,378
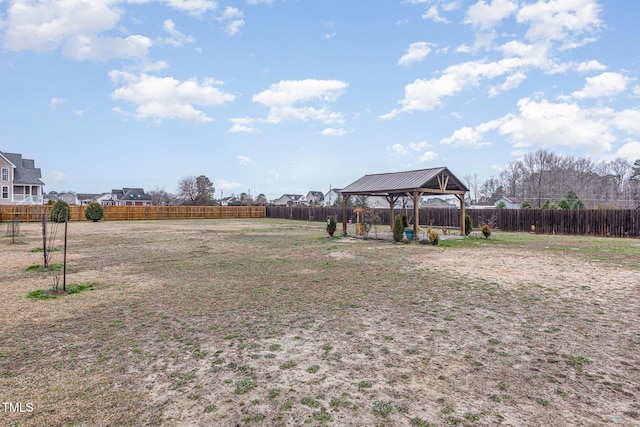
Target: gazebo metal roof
434,181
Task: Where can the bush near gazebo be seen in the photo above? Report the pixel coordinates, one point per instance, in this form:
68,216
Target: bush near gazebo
331,225
468,224
94,212
398,229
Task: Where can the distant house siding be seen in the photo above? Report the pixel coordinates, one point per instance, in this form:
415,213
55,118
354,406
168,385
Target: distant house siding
6,194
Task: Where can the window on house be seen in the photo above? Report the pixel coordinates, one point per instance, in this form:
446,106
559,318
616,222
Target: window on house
5,174
5,191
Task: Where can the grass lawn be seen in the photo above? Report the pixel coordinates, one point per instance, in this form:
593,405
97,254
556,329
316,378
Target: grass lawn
270,322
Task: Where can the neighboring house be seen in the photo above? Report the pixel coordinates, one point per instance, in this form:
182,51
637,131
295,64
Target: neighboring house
290,200
437,203
332,196
69,197
377,202
85,199
19,180
315,198
509,202
229,201
129,197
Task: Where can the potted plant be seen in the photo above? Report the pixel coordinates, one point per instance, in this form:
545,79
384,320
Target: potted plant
408,231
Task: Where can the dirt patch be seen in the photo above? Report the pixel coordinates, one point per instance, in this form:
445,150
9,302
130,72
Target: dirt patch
216,322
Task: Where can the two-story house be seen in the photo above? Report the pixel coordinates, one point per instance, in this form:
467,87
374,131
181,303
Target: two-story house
19,180
129,197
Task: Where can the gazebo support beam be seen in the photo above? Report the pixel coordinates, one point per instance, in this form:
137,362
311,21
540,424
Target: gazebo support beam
416,213
345,200
392,199
462,214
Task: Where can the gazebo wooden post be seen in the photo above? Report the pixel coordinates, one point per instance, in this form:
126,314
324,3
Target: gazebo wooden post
392,203
416,213
345,199
462,214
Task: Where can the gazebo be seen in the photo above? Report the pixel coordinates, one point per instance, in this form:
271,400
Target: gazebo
414,184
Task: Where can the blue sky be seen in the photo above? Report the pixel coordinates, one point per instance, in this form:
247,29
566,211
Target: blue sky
282,96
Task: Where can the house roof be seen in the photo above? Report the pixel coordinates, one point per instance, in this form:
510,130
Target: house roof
510,199
25,171
434,181
131,194
87,196
317,194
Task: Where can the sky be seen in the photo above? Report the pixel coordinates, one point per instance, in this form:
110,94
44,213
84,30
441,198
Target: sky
291,96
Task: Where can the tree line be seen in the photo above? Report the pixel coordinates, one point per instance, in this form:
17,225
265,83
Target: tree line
545,179
200,191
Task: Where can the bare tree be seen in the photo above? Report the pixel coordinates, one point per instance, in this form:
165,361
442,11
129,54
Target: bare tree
473,182
196,191
160,197
187,190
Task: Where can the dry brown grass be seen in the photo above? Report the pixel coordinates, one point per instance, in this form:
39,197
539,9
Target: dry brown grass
268,322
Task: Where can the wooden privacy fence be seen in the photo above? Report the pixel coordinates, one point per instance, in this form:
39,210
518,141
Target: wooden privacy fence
594,222
31,213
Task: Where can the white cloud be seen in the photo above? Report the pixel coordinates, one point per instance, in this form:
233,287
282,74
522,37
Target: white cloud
627,121
233,19
560,20
512,82
486,16
243,125
284,99
587,66
470,137
629,151
415,53
192,7
333,132
159,98
427,156
433,14
425,95
243,160
54,102
413,148
224,185
46,25
106,48
259,2
605,84
177,39
399,149
557,124
417,146
73,25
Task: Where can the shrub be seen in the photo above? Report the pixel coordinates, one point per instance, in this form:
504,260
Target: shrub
405,221
94,212
58,212
331,225
398,229
486,231
468,224
433,237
